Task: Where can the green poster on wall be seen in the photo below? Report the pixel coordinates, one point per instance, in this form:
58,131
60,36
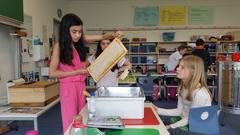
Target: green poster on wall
146,16
200,15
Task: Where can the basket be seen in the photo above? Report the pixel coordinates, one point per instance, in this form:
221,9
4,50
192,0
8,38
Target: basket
168,36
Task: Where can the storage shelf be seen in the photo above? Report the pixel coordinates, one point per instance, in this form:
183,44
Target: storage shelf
142,53
166,53
144,64
163,28
226,52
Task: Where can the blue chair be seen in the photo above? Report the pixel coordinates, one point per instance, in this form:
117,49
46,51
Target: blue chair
146,83
204,120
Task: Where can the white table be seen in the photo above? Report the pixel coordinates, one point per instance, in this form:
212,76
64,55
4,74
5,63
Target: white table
25,116
161,127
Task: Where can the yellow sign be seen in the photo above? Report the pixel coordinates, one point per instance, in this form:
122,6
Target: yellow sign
173,15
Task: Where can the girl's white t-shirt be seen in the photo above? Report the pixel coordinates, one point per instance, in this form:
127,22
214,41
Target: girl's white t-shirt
201,98
111,78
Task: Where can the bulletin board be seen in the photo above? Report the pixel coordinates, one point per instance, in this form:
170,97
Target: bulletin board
146,16
200,15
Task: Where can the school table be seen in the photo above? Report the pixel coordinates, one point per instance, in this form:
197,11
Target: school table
6,115
150,124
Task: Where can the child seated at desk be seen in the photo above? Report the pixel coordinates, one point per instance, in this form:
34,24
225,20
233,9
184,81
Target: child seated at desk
192,92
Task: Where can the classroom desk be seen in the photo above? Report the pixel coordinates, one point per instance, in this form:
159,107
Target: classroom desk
25,116
161,127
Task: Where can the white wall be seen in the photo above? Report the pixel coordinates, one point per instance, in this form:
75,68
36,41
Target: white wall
119,14
8,45
43,12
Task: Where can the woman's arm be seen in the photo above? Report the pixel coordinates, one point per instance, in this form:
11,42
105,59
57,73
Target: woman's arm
53,68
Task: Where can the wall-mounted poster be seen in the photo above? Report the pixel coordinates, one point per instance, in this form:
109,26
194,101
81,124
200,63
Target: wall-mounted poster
146,16
198,15
172,15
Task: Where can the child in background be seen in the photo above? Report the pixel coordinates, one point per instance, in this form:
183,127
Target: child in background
174,58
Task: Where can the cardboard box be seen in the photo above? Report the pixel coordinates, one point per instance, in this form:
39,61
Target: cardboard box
34,94
235,34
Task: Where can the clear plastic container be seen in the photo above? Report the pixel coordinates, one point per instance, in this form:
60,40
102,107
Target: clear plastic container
92,107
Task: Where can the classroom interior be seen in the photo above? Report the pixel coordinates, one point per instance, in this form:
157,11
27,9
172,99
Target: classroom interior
152,29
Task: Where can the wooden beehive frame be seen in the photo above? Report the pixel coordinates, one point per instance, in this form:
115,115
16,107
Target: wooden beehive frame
108,58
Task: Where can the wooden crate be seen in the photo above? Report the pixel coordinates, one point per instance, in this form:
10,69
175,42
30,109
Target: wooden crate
34,94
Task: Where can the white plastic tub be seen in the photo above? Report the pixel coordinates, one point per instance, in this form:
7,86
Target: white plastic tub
126,102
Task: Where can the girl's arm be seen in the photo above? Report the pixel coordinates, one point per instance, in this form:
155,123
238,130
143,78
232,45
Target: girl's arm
126,65
201,98
108,35
53,68
172,112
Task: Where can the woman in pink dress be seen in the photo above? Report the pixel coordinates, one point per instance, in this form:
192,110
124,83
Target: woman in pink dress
68,65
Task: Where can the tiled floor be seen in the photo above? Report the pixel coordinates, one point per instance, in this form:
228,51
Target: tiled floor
50,122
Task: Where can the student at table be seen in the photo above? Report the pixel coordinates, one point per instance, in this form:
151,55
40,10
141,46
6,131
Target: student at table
192,92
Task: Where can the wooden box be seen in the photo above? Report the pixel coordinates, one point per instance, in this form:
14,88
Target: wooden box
35,94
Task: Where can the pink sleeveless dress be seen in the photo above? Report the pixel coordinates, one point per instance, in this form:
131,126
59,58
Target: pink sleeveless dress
71,88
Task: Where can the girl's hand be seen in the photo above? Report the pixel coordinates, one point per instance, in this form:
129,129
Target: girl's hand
82,71
155,108
168,126
119,34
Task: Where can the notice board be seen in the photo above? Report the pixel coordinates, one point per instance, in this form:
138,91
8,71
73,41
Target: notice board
146,16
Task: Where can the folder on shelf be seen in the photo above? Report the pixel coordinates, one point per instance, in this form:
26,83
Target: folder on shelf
107,59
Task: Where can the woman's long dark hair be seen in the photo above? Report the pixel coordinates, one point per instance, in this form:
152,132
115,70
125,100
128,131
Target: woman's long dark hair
65,40
99,51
